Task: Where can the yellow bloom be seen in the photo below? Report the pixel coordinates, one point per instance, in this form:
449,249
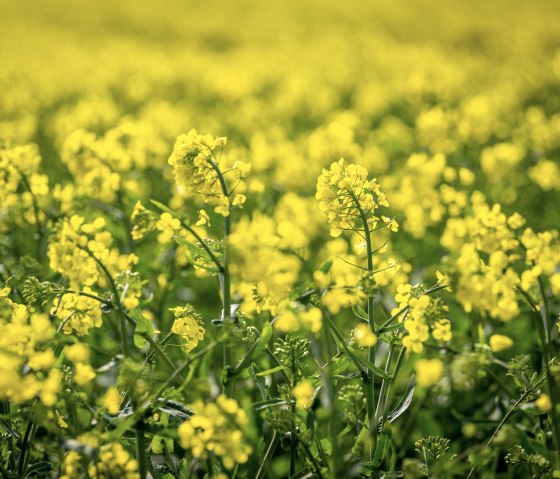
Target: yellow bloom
428,372
84,374
78,313
442,330
114,461
168,226
364,336
290,321
239,200
544,403
216,428
499,342
188,325
546,174
304,393
112,400
51,387
78,353
343,190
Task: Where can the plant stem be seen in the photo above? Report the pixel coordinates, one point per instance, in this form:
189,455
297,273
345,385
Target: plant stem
141,450
550,378
268,456
124,342
370,388
384,391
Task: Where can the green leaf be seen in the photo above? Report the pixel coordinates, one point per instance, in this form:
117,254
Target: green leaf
373,368
271,403
406,401
326,266
261,383
383,444
193,247
327,446
40,469
144,328
163,207
159,443
268,372
360,312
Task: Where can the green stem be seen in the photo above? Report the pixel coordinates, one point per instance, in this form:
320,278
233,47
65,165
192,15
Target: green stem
268,456
507,416
549,376
370,391
124,342
23,454
153,343
141,450
35,212
384,391
224,275
203,244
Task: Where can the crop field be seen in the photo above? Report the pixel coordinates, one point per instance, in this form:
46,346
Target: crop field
279,239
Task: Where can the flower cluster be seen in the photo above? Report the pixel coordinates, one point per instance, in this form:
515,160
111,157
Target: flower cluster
216,428
26,360
77,248
292,319
421,313
77,313
346,195
114,462
188,324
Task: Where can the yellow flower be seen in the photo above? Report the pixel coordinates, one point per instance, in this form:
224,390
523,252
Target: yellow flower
143,221
51,387
168,226
84,374
78,313
192,159
188,325
239,200
345,193
428,372
304,393
364,336
289,320
112,400
216,428
78,353
203,218
546,174
114,461
499,342
544,403
442,330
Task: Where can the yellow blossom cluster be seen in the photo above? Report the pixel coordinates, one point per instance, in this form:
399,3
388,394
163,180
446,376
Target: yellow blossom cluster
77,248
77,313
421,313
196,167
290,320
267,273
26,360
114,462
216,428
346,195
489,245
188,324
23,188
